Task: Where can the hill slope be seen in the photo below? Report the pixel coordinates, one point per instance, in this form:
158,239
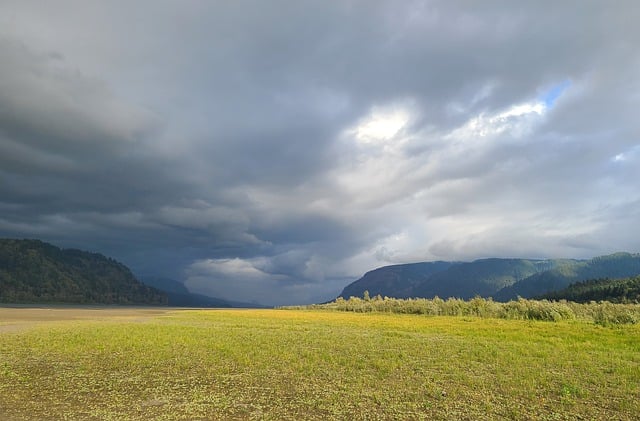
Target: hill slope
32,271
503,279
618,265
482,277
613,290
394,281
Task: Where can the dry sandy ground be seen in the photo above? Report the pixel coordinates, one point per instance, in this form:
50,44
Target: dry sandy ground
18,318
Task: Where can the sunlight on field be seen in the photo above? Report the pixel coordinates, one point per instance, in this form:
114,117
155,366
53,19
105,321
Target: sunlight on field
285,364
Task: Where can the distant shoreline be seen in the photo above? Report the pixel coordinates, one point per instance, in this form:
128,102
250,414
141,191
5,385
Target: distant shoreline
72,306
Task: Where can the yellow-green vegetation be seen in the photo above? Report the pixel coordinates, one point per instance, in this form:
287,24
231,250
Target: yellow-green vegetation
603,312
313,364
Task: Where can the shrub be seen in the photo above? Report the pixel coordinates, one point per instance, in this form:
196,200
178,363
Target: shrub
603,313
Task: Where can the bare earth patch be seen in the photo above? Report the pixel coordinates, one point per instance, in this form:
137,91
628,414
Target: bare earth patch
16,319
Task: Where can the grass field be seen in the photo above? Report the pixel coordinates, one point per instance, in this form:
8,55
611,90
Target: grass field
295,364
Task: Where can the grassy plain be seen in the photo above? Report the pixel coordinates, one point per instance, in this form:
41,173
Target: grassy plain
300,364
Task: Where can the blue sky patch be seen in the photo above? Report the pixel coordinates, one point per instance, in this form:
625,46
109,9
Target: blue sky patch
550,97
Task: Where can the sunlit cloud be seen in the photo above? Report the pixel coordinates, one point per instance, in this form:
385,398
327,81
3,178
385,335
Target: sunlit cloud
516,120
381,125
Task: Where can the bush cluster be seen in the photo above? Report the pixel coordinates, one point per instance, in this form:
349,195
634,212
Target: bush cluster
604,313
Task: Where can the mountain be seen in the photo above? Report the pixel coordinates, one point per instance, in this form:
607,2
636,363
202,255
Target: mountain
179,296
613,290
164,284
618,265
32,271
394,281
483,277
502,279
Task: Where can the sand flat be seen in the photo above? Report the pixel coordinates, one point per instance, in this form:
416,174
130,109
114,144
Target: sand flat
16,318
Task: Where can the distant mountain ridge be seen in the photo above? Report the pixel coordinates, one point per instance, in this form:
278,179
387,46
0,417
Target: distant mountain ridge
180,296
502,279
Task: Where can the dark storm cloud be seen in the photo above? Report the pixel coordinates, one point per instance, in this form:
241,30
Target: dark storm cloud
79,164
273,151
62,132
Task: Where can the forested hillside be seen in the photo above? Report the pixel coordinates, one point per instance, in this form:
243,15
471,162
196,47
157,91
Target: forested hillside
625,290
613,266
394,281
502,279
484,277
32,271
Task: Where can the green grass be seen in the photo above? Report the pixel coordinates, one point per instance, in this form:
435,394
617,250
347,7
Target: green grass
296,364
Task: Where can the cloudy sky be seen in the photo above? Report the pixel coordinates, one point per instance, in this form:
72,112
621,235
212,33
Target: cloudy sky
274,151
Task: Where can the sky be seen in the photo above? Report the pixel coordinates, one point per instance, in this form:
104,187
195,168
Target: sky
275,151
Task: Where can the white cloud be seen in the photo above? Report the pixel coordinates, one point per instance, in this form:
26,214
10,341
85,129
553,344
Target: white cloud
233,279
243,280
517,121
381,125
628,155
